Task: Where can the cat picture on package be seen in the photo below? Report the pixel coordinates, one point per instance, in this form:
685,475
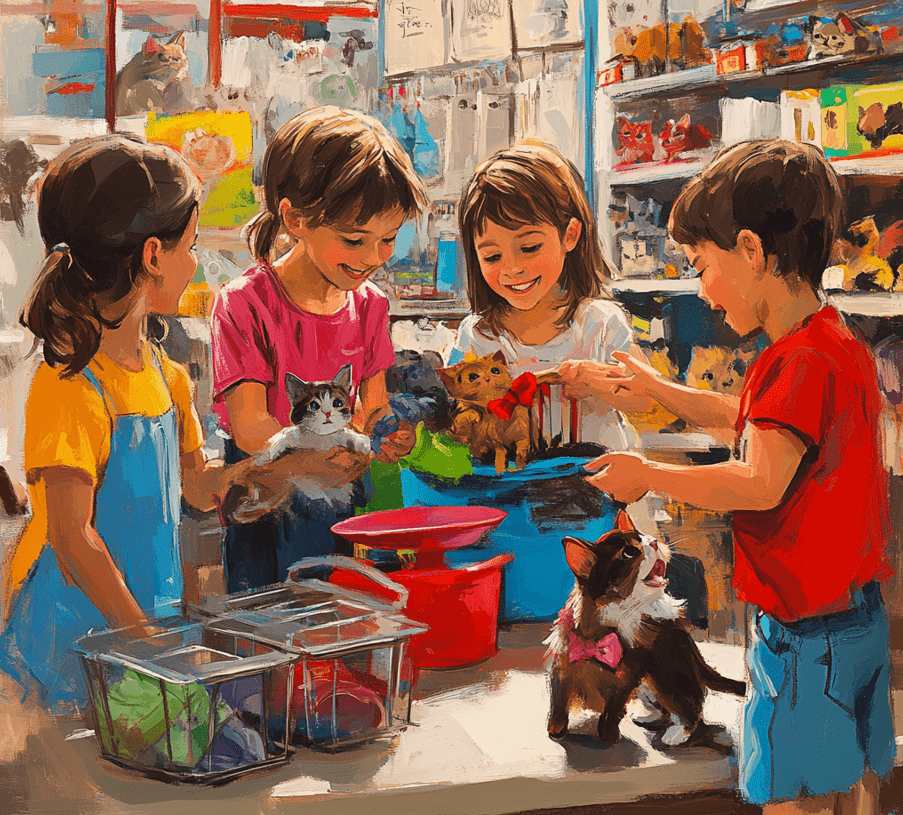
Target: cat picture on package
155,79
620,635
321,420
473,384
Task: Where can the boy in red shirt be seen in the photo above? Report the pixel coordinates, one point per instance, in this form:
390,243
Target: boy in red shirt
808,487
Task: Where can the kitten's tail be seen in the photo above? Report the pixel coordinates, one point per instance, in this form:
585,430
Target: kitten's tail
715,681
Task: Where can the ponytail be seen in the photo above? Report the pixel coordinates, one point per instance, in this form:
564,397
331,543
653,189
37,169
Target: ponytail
261,233
57,313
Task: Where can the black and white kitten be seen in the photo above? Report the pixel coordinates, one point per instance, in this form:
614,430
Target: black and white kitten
620,635
321,420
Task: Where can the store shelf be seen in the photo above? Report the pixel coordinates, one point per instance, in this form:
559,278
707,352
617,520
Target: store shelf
870,165
450,309
683,285
705,76
869,304
655,171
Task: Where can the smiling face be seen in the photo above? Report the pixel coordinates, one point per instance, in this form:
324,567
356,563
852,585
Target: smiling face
729,281
524,265
346,255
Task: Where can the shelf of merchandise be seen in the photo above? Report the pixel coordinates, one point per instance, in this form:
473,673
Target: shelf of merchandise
705,76
660,171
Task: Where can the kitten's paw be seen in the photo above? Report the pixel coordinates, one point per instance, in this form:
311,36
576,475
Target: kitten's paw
558,729
609,732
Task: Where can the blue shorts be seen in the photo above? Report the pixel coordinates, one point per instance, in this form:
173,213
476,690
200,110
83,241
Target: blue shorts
818,714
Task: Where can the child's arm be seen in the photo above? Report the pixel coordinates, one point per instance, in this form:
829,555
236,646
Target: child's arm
712,411
251,423
758,483
82,555
373,404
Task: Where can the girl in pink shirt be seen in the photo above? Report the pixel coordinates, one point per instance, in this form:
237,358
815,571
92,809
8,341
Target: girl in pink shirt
337,189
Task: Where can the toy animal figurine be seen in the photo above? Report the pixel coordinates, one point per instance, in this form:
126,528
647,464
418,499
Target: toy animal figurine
683,137
841,35
156,79
474,384
637,143
862,268
650,49
876,123
620,634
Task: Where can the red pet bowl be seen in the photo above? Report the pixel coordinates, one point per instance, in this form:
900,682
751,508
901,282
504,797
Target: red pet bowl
429,531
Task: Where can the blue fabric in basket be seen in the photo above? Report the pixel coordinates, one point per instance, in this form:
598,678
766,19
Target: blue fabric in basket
546,501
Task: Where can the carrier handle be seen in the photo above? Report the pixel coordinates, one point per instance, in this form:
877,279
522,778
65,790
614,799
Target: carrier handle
351,565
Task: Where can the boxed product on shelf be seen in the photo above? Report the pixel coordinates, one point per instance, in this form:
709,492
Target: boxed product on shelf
862,119
801,117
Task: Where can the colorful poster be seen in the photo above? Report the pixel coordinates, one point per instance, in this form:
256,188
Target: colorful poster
218,148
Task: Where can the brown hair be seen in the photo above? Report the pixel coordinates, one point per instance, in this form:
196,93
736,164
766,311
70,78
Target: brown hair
784,192
99,201
335,166
527,184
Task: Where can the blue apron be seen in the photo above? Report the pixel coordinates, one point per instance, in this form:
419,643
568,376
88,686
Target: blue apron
137,512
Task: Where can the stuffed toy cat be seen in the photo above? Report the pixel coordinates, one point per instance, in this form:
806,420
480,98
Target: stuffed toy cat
683,137
637,143
156,79
620,635
321,420
833,37
475,384
719,369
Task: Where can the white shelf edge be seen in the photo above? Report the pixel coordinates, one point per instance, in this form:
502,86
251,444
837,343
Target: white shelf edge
869,304
870,165
682,285
642,174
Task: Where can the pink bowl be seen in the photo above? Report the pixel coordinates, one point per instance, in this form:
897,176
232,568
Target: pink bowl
420,528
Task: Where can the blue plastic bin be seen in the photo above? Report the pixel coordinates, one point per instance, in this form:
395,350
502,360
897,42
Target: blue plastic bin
546,501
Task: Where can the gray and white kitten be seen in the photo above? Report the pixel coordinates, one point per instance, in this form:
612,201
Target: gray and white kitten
321,420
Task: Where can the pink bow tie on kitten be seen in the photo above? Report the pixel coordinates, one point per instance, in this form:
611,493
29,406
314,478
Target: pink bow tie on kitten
608,650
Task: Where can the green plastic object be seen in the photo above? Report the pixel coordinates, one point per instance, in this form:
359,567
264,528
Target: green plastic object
385,480
139,719
440,455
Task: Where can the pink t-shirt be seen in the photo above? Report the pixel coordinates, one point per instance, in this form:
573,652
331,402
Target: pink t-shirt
260,335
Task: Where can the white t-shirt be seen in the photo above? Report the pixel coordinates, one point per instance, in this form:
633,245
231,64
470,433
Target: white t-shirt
598,328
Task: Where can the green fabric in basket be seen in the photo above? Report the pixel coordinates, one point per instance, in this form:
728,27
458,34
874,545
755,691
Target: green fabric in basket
139,719
440,455
385,480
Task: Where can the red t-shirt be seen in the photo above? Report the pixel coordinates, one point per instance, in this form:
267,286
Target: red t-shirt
829,533
259,335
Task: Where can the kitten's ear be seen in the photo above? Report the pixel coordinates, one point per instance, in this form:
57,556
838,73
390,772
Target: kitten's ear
579,556
294,387
178,39
684,120
623,522
343,378
498,356
150,47
447,377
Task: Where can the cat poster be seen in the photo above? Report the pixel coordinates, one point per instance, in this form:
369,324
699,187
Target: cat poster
218,148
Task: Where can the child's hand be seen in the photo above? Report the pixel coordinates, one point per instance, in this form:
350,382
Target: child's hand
586,378
397,445
639,378
624,476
